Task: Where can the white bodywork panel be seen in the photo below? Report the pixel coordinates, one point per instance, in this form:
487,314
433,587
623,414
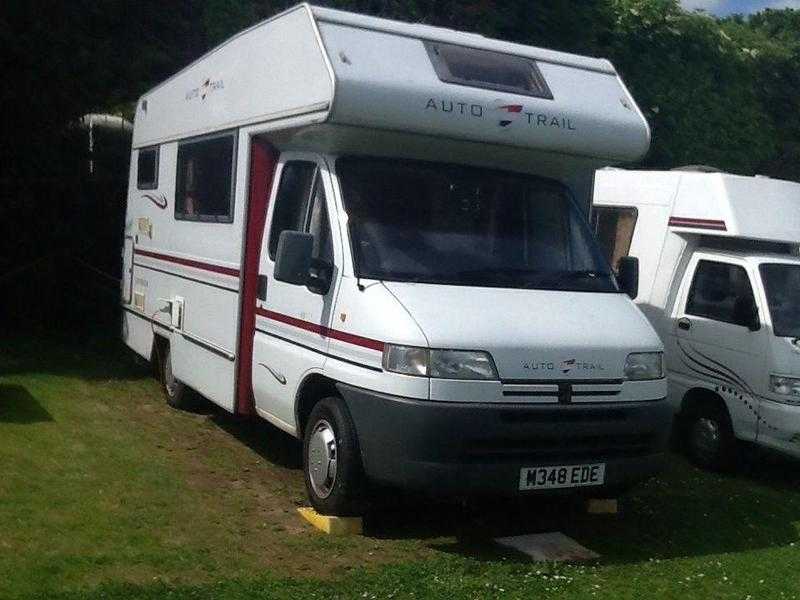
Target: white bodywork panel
388,82
375,73
271,71
683,218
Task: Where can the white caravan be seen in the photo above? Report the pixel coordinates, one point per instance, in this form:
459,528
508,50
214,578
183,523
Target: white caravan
373,235
720,281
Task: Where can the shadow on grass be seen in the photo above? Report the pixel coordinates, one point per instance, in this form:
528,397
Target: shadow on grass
266,440
86,357
17,405
683,513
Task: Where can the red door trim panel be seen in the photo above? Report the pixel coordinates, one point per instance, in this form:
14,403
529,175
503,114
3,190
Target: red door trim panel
263,162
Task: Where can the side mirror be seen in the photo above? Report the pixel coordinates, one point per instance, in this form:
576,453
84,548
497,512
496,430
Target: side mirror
628,276
293,258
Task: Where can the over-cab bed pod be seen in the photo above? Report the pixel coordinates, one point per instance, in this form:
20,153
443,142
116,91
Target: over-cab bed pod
364,77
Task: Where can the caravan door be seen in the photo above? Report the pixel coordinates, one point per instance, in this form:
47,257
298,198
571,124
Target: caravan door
292,321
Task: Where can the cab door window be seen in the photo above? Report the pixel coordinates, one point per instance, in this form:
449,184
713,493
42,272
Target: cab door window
300,205
318,224
721,292
291,203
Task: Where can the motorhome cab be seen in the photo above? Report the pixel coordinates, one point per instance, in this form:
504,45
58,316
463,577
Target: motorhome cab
720,281
372,235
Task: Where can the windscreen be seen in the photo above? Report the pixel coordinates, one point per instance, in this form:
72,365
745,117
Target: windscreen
782,284
458,225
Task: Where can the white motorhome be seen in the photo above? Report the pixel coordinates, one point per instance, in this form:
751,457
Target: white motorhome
373,235
720,281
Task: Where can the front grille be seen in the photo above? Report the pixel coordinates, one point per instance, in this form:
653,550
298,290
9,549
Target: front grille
562,391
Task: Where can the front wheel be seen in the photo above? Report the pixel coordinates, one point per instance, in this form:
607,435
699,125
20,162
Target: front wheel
710,439
332,460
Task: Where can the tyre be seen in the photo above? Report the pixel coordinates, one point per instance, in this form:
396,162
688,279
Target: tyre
709,437
175,391
332,460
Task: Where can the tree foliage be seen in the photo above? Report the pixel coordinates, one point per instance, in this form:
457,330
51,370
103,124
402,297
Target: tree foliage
722,92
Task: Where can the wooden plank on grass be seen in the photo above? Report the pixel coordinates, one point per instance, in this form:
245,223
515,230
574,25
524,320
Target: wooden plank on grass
554,546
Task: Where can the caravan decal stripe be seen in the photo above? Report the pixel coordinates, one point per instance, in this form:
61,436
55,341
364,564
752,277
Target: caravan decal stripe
187,262
698,223
187,278
726,374
325,332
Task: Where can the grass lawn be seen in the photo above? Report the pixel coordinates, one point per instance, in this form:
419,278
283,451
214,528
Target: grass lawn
107,493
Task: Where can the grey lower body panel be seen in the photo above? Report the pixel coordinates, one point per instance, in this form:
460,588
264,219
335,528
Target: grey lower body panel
467,447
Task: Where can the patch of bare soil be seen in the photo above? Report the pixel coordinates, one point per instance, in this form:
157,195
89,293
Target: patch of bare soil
249,477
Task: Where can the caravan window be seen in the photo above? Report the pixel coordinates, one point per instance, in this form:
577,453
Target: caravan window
487,70
614,226
147,169
204,190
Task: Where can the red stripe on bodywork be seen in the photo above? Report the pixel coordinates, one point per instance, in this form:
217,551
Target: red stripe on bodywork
187,262
263,160
698,223
325,332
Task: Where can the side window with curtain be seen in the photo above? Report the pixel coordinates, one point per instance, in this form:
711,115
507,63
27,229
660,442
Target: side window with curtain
614,226
292,201
204,190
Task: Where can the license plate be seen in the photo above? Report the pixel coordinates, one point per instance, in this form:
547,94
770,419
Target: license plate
543,478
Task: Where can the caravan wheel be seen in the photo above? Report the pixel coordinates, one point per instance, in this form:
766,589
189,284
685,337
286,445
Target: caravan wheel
175,391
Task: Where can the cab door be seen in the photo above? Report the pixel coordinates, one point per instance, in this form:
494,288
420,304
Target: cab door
715,336
292,321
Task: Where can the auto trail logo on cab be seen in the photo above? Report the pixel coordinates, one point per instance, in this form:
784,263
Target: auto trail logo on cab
566,365
206,88
508,114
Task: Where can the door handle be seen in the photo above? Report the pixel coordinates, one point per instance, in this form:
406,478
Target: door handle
684,324
262,288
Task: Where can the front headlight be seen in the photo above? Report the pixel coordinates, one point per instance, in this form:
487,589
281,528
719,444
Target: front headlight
785,386
644,365
441,364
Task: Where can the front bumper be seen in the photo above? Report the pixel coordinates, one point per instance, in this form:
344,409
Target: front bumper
467,447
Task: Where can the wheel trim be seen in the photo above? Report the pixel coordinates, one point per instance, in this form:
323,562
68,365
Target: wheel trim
322,459
707,436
